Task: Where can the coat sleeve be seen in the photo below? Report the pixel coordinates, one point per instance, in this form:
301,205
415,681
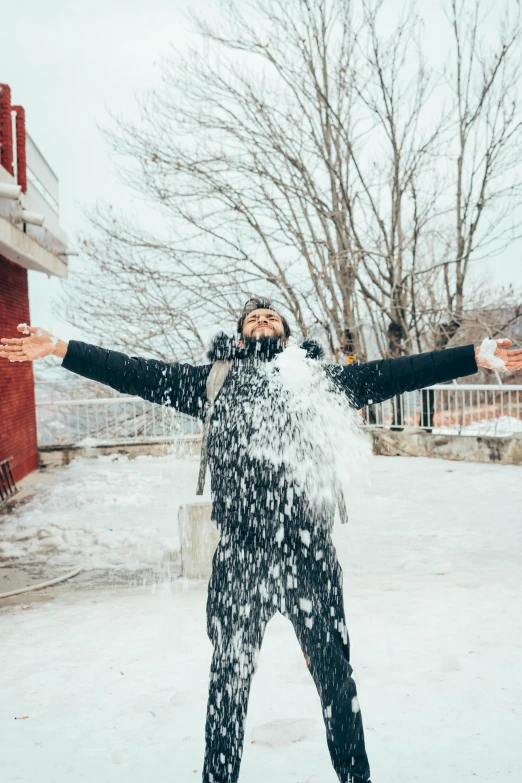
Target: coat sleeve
377,381
180,386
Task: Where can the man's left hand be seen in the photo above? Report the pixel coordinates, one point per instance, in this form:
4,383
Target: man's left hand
511,359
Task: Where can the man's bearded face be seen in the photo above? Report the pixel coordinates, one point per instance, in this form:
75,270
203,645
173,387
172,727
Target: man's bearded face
263,332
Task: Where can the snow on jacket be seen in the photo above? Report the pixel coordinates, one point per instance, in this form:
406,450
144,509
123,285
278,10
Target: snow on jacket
254,496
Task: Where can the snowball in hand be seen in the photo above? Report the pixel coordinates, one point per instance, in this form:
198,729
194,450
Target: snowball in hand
487,354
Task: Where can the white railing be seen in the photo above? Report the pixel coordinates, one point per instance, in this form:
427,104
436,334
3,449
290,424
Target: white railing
43,197
452,409
110,420
41,175
442,409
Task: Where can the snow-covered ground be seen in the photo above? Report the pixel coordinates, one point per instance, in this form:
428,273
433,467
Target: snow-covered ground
114,682
111,513
499,426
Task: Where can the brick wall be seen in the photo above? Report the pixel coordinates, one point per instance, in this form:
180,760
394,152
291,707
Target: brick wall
17,408
6,129
21,160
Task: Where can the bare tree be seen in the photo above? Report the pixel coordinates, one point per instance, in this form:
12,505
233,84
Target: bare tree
400,203
472,207
263,175
487,150
130,289
296,153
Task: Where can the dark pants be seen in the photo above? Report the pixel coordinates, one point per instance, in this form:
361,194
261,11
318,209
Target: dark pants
250,582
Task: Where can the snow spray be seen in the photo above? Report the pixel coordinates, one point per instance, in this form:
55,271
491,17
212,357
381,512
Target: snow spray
305,424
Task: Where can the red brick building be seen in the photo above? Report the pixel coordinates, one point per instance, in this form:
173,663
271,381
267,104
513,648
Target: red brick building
30,238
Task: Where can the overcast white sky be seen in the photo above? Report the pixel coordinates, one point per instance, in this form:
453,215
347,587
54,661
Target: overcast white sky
67,63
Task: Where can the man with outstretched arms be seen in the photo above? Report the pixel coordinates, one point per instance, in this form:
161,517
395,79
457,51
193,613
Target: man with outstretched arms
275,552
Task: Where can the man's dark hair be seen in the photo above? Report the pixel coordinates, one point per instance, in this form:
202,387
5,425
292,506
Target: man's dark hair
261,303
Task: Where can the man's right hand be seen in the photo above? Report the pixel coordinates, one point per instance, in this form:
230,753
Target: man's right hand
37,344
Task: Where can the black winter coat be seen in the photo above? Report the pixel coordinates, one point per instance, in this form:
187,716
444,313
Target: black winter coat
251,497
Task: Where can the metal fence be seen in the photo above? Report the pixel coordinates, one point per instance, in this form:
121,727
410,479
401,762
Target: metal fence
108,420
455,409
450,409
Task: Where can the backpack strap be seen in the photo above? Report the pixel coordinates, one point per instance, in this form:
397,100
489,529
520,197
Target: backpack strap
217,377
